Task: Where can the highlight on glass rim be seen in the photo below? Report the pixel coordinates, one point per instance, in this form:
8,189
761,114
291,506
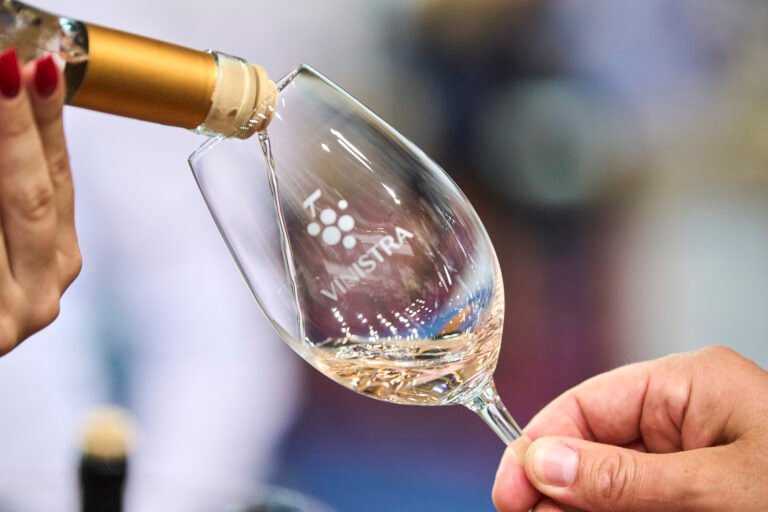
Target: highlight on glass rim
428,203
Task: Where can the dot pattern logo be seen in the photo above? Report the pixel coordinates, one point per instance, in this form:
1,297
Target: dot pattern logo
333,227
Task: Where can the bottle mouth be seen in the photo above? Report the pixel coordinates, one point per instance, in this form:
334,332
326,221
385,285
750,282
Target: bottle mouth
266,103
265,106
243,99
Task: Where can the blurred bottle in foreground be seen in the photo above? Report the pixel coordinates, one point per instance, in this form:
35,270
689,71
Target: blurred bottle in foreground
107,442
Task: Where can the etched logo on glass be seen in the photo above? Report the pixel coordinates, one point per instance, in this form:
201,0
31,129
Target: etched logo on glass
333,228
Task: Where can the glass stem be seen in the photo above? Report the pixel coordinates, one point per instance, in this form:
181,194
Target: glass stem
487,404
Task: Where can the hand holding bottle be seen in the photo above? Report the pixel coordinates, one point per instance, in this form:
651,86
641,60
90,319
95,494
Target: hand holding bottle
686,432
39,254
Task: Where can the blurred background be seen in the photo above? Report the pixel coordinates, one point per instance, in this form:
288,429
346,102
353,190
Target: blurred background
616,152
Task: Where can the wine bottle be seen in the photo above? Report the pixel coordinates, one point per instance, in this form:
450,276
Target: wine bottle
133,76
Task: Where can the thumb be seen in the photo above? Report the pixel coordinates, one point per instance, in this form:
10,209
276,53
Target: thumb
598,477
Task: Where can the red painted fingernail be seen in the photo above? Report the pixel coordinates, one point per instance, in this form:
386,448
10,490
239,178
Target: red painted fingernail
46,76
10,74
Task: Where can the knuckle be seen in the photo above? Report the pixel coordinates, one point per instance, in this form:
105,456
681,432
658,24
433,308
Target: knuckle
5,346
45,310
9,333
58,166
610,478
719,353
8,341
719,350
72,267
77,264
35,202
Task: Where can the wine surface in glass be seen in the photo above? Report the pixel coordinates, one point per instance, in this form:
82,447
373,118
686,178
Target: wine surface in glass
436,371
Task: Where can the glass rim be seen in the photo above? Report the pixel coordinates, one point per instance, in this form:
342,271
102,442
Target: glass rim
302,70
282,83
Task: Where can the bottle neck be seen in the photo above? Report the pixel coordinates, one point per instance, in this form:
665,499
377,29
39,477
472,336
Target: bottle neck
133,76
141,78
137,77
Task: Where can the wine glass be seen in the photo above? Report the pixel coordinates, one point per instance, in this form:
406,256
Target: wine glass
364,255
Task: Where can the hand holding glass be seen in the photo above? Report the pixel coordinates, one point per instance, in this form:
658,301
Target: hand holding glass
364,255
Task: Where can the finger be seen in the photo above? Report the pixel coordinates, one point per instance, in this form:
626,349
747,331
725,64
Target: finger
638,446
643,401
605,408
669,404
547,505
26,192
511,491
599,477
46,92
9,86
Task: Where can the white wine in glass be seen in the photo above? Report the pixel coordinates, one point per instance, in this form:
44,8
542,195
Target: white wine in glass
362,252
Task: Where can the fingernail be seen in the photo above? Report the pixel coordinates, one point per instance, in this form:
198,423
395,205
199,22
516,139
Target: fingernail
555,463
46,76
10,75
